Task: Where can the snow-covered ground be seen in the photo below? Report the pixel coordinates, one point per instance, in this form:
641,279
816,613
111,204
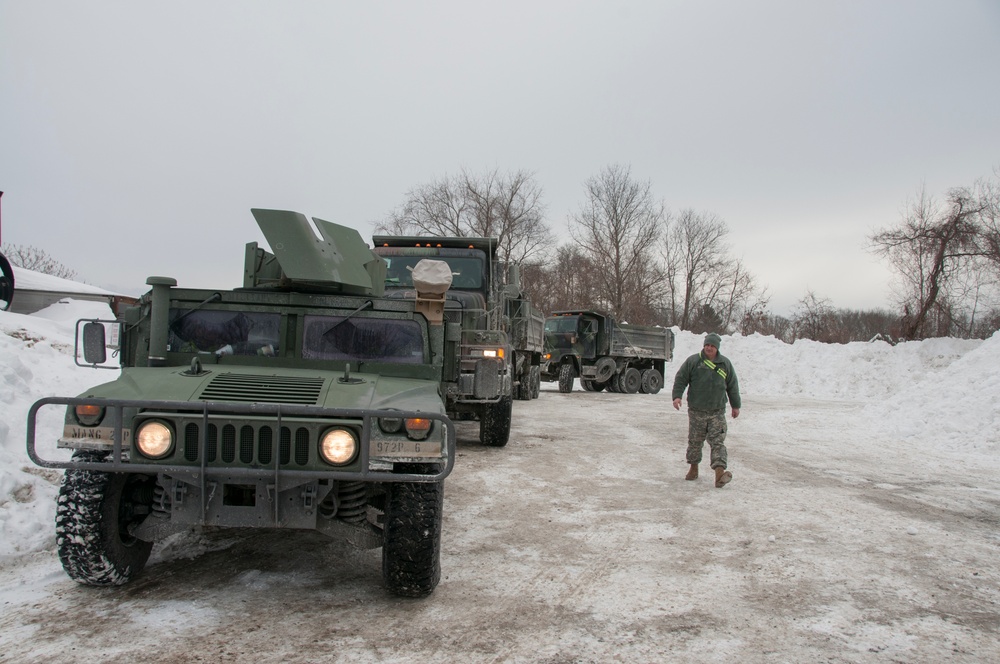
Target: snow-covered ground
862,520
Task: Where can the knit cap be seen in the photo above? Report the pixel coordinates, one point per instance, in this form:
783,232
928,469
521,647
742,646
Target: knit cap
713,339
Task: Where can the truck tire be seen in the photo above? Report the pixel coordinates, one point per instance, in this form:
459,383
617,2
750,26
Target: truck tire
522,391
631,381
411,548
536,381
494,424
652,381
614,383
605,369
587,384
566,376
93,512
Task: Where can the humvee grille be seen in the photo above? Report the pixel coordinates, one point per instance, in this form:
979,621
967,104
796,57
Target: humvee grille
253,444
272,389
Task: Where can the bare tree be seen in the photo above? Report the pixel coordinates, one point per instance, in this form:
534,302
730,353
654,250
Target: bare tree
507,206
703,276
33,258
438,208
566,283
617,229
929,249
812,318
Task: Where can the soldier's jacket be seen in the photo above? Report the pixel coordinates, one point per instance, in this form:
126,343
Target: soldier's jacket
708,383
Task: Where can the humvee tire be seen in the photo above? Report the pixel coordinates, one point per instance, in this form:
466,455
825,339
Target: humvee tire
411,549
566,376
93,513
494,424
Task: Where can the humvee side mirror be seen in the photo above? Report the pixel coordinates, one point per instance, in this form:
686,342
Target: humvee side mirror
94,345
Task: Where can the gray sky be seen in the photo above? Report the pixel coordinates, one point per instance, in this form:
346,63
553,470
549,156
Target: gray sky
135,137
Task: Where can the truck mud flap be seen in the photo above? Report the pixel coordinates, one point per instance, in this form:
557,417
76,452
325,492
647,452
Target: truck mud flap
488,379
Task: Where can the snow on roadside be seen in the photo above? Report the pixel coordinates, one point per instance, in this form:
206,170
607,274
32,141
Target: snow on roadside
36,361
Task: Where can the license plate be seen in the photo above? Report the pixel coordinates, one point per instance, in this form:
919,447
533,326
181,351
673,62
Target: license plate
98,434
405,448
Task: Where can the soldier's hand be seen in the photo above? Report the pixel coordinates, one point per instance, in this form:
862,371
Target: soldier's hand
677,404
736,413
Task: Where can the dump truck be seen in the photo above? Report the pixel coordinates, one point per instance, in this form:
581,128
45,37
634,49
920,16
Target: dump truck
604,353
304,400
526,326
491,321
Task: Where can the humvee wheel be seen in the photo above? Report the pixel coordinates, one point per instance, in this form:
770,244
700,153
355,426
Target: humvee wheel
93,513
536,381
652,381
566,376
494,424
631,380
411,549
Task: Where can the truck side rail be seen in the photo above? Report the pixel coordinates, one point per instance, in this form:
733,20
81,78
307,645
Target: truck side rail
118,462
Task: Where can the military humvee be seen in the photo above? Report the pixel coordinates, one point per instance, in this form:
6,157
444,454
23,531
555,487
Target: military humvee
303,400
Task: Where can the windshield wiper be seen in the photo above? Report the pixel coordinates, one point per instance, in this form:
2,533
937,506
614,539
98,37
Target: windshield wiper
364,306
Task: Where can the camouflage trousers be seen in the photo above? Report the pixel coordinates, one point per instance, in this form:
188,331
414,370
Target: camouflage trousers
707,425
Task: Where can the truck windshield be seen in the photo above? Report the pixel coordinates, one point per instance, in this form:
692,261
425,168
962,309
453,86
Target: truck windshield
466,272
223,332
561,325
362,339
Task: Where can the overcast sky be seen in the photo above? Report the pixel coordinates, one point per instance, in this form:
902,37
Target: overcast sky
135,137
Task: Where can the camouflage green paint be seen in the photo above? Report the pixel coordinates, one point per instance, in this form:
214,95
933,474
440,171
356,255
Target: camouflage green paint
707,425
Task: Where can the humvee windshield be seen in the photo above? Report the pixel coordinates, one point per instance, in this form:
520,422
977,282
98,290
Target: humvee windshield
323,338
223,332
362,339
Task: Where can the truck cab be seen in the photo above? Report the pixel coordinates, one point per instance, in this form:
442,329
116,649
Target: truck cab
478,371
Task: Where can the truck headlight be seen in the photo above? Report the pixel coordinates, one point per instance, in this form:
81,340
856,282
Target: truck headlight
154,439
338,446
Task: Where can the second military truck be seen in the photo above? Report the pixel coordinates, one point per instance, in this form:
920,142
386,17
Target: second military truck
499,333
604,353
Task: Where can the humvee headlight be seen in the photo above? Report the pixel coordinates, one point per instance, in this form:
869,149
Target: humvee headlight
338,446
88,414
390,424
154,439
417,428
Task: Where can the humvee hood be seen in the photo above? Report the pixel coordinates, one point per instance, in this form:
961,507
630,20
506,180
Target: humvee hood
300,387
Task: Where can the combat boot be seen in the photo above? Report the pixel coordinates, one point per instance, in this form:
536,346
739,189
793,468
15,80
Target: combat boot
722,477
692,472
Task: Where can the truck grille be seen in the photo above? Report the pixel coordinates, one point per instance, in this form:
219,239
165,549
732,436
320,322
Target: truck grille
272,389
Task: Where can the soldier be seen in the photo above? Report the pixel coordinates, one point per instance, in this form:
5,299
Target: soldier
710,379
